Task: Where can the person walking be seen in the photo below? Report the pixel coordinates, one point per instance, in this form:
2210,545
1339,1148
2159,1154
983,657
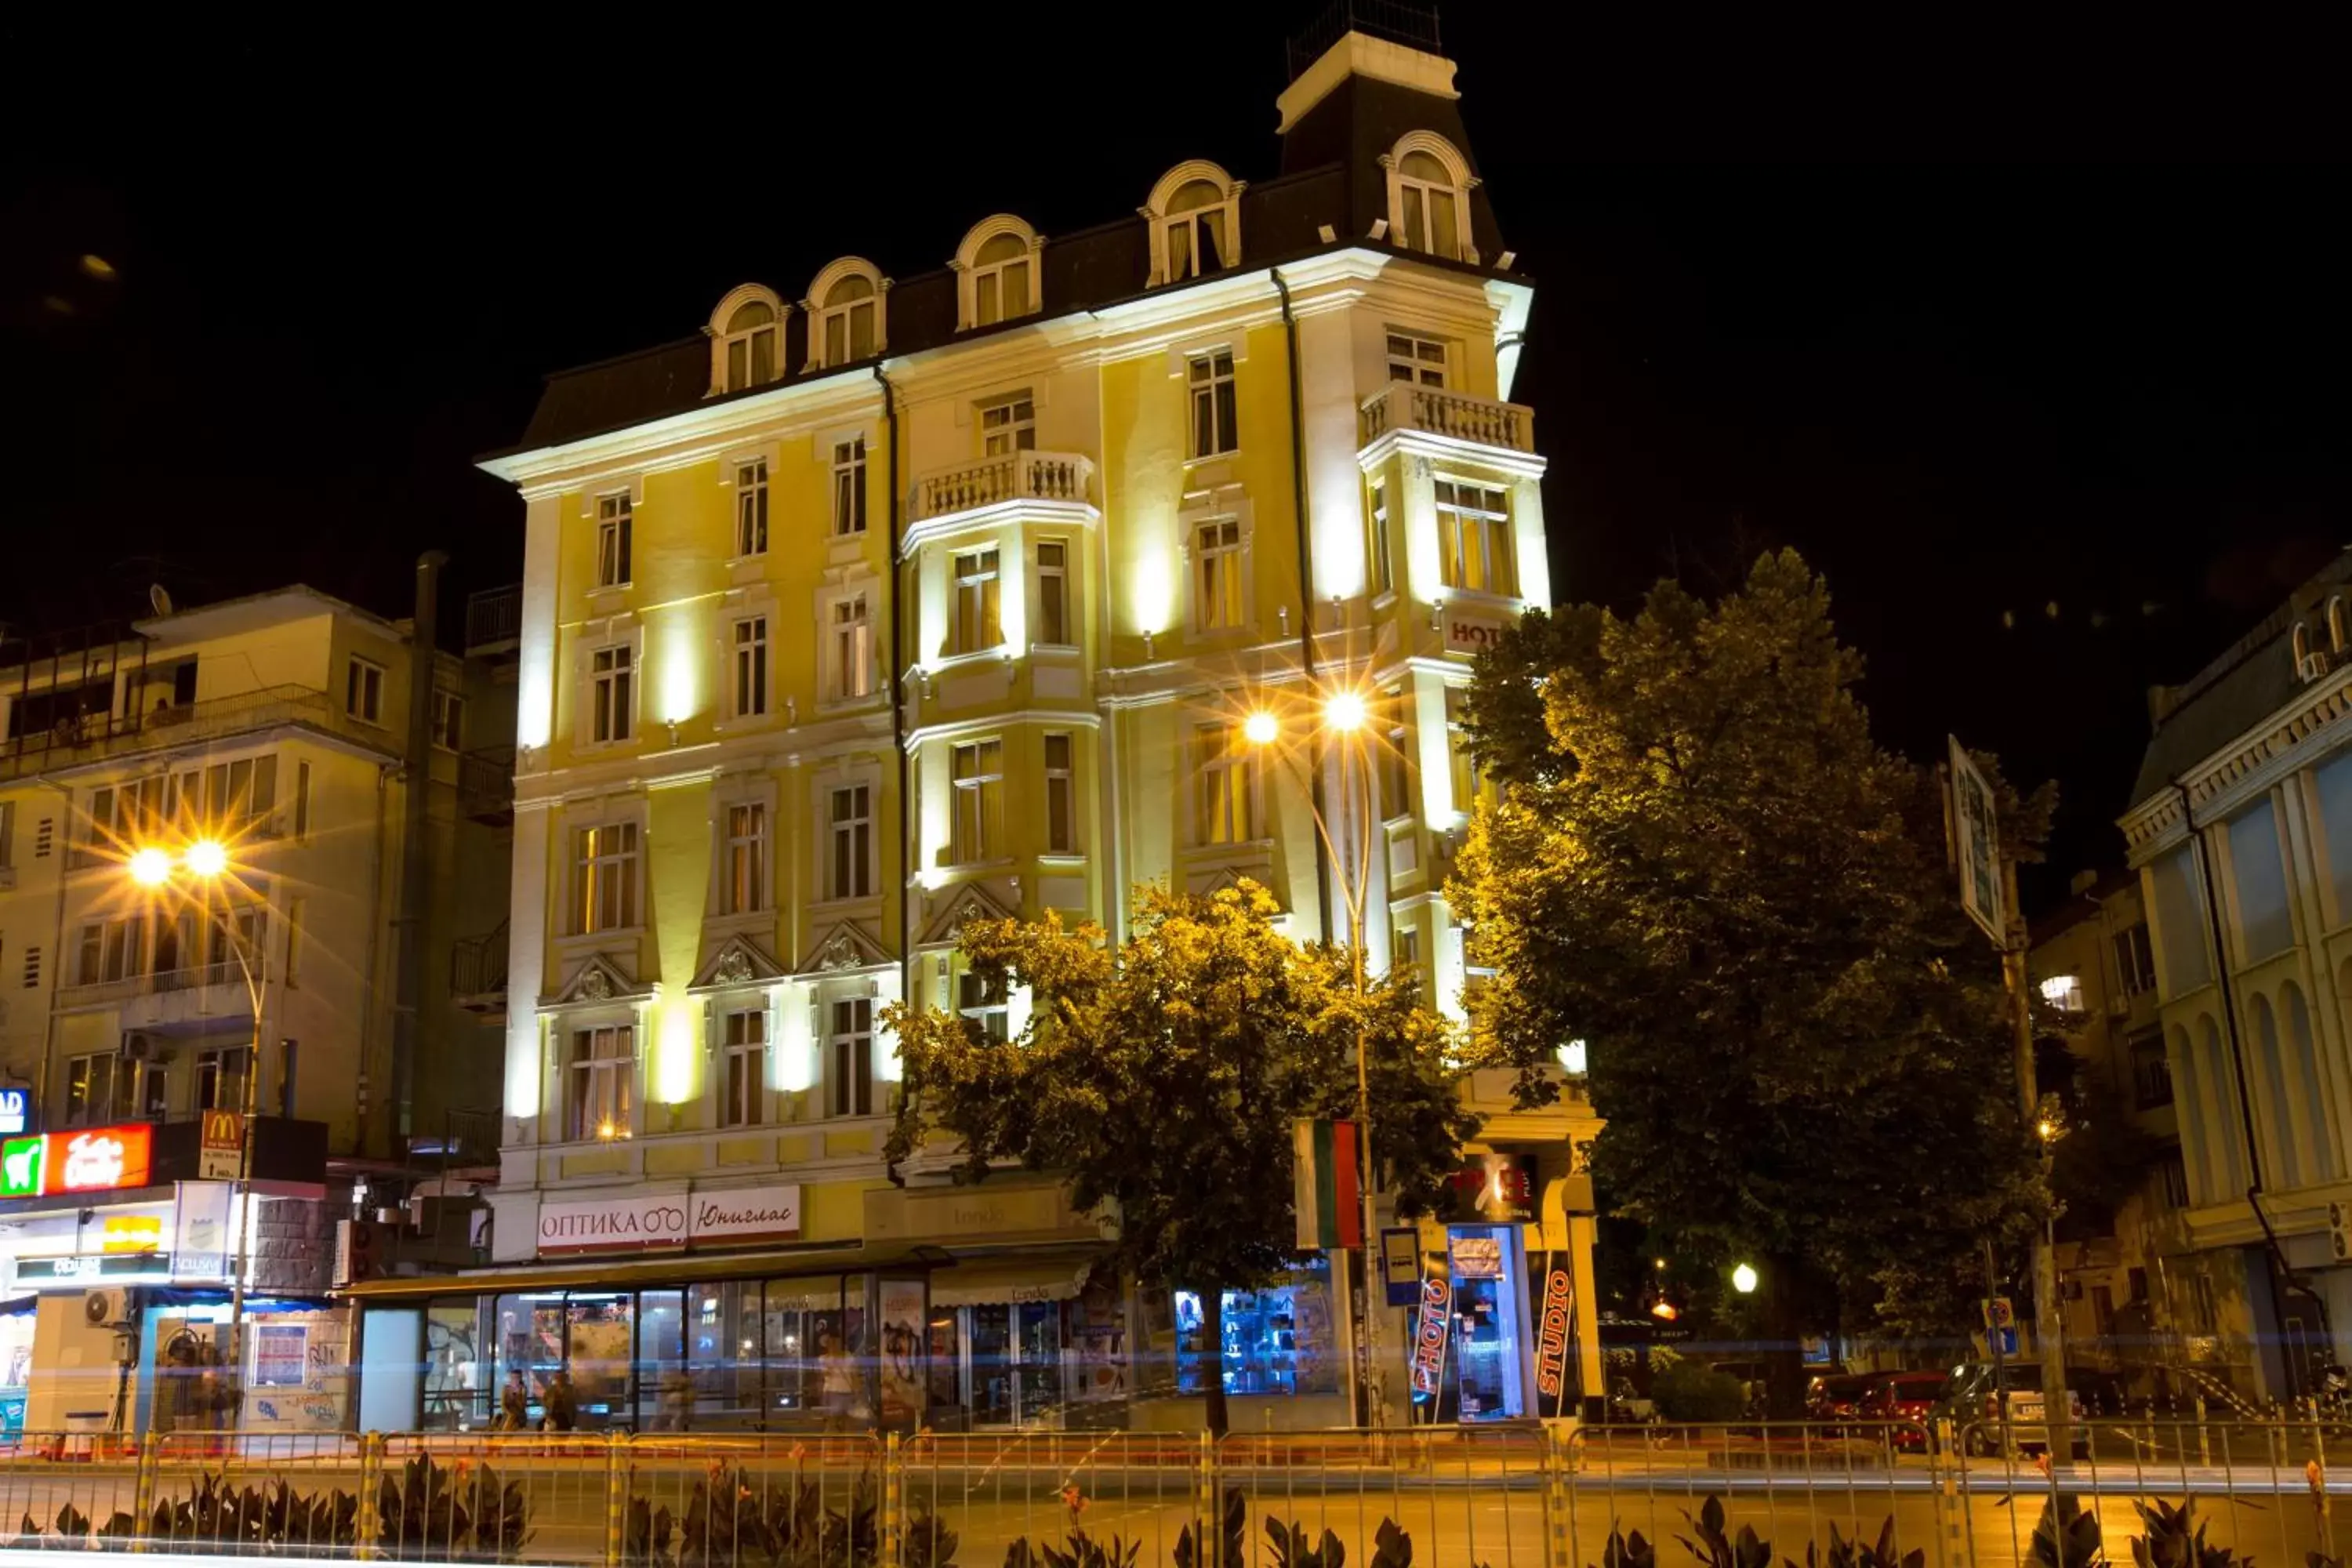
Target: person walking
838,1381
563,1402
514,1403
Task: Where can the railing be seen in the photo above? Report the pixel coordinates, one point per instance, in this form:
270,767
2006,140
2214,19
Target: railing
155,984
1457,415
96,736
494,615
1416,27
1017,475
477,964
1525,1496
485,782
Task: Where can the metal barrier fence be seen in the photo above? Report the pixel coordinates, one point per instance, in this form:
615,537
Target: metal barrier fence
1757,1495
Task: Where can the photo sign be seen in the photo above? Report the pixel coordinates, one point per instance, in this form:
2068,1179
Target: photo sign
1429,1336
1976,846
671,1221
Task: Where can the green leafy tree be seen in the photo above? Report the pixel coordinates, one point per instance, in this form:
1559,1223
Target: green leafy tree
1703,866
1161,1081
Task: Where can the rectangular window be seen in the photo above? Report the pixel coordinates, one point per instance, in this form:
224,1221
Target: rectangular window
1469,778
1214,424
1053,593
2172,1178
750,671
1008,426
979,622
363,691
978,776
1000,293
301,800
853,648
1417,359
1405,949
220,1078
1383,572
1225,769
614,521
751,508
612,693
2259,871
1196,240
295,909
1395,770
849,486
1061,799
849,1058
743,1084
448,720
89,1088
1474,537
2134,960
745,885
1217,575
849,868
599,1079
982,1002
2151,1074
113,949
154,1084
605,878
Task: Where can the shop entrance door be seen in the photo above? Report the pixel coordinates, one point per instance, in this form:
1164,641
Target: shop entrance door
1013,1371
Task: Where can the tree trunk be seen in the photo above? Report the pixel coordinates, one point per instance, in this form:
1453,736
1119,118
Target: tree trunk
1213,1356
1784,1355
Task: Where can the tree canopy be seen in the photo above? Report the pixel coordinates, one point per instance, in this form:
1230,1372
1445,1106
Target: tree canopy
1703,866
1161,1080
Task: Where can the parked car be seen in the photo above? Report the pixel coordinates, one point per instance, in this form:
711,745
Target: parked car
1911,1398
1973,1405
1837,1396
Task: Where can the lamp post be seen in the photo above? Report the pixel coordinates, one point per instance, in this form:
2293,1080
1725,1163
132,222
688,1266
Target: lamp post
205,862
1344,715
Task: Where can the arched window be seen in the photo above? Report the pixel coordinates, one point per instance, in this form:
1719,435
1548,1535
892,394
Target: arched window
2303,1083
2337,632
845,306
2277,1094
1428,197
997,269
1195,216
2300,644
747,340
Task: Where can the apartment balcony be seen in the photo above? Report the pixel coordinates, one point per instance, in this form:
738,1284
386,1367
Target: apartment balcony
96,738
1064,477
477,974
1404,408
486,785
494,621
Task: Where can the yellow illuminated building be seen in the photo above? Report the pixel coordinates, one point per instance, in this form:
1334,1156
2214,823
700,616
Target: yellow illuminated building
883,601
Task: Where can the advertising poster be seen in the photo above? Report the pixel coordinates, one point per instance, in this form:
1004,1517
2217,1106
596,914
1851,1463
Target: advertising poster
200,1229
905,1320
280,1354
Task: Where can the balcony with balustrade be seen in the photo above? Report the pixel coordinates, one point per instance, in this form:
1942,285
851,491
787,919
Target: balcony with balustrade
100,737
946,497
477,974
1439,417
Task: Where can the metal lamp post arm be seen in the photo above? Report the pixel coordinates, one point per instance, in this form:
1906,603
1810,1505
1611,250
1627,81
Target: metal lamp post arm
243,1199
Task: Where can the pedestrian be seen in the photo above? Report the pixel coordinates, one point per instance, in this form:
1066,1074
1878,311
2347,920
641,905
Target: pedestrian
514,1403
563,1402
837,1380
676,1394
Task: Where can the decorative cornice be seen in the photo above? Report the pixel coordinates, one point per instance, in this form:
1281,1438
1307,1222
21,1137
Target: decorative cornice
2281,742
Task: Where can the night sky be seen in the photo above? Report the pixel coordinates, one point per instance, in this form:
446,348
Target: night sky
2007,325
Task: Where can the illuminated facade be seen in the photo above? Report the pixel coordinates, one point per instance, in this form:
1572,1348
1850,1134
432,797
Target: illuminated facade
902,598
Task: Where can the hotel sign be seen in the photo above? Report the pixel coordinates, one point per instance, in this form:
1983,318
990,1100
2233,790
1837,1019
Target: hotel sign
98,1160
1472,633
669,1222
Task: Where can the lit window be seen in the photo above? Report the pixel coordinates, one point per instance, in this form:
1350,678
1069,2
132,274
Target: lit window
751,339
2064,992
612,693
600,1073
363,691
849,486
743,1090
1053,593
1226,774
848,325
1214,431
979,603
1416,359
849,1058
1000,279
613,518
853,648
743,886
1428,202
1008,426
750,668
1061,799
1474,537
1383,574
1217,575
984,1003
605,878
752,508
448,720
849,869
977,774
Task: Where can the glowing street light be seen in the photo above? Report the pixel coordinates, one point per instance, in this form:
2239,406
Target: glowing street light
207,857
1260,729
1743,1278
1344,711
151,867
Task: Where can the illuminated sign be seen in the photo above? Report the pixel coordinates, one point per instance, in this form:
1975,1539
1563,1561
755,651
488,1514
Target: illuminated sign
1551,1336
123,1265
220,1146
21,1161
1428,1339
96,1161
16,1110
131,1232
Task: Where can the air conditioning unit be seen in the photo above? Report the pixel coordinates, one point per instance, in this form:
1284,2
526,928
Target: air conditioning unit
102,1308
139,1047
2312,666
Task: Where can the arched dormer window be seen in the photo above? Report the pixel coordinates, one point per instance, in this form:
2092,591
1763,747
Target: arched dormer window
845,306
2337,629
747,339
996,272
2299,645
1195,216
1428,197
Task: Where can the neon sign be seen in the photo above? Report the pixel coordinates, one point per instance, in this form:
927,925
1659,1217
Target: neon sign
1428,1339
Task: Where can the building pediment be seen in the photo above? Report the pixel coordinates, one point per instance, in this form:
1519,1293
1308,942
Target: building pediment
967,902
844,946
596,981
738,960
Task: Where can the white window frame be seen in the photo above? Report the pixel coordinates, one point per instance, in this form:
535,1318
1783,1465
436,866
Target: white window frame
600,1080
976,782
607,867
990,1007
848,1057
980,285
749,670
1052,589
448,720
1166,221
725,338
1061,792
1213,423
1008,425
850,674
616,516
1229,788
614,688
976,598
1208,562
849,487
751,508
1456,516
1454,185
743,856
826,311
742,1077
1407,349
364,690
849,841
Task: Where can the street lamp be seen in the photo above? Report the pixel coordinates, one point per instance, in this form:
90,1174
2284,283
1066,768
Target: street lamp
1344,714
205,862
1743,1278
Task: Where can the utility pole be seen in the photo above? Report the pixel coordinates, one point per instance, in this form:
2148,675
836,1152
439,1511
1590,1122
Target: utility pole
2048,1328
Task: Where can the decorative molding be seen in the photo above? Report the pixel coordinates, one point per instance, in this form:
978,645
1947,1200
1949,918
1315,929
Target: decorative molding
965,901
595,981
738,962
2289,737
843,948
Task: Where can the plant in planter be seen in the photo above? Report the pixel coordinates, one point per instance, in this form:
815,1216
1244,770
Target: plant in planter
1079,1550
1623,1551
1714,1548
2066,1536
1231,1527
2169,1540
460,1512
1860,1554
1291,1551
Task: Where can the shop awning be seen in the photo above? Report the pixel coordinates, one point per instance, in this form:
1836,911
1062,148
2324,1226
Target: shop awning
647,1273
1040,1277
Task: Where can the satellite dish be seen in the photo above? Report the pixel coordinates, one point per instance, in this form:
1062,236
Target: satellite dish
160,598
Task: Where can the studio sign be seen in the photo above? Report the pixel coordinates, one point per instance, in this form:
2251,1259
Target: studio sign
668,1221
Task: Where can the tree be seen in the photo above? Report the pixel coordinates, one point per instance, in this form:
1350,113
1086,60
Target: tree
1162,1081
1703,866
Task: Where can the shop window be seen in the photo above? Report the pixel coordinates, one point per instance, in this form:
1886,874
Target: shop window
1277,1341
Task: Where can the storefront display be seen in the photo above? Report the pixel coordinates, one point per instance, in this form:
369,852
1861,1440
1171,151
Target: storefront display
1490,1343
1277,1341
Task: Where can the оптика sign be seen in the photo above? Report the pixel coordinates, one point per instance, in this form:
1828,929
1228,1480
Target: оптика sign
668,1221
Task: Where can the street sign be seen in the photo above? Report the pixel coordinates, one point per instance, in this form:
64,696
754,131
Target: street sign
15,1110
1400,1264
2001,1313
1976,846
2008,1341
220,1146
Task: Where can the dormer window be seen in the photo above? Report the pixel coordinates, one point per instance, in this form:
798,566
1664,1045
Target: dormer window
1196,217
747,340
844,307
997,265
1428,197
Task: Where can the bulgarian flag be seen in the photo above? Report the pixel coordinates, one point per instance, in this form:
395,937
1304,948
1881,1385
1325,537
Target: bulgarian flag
1329,1198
